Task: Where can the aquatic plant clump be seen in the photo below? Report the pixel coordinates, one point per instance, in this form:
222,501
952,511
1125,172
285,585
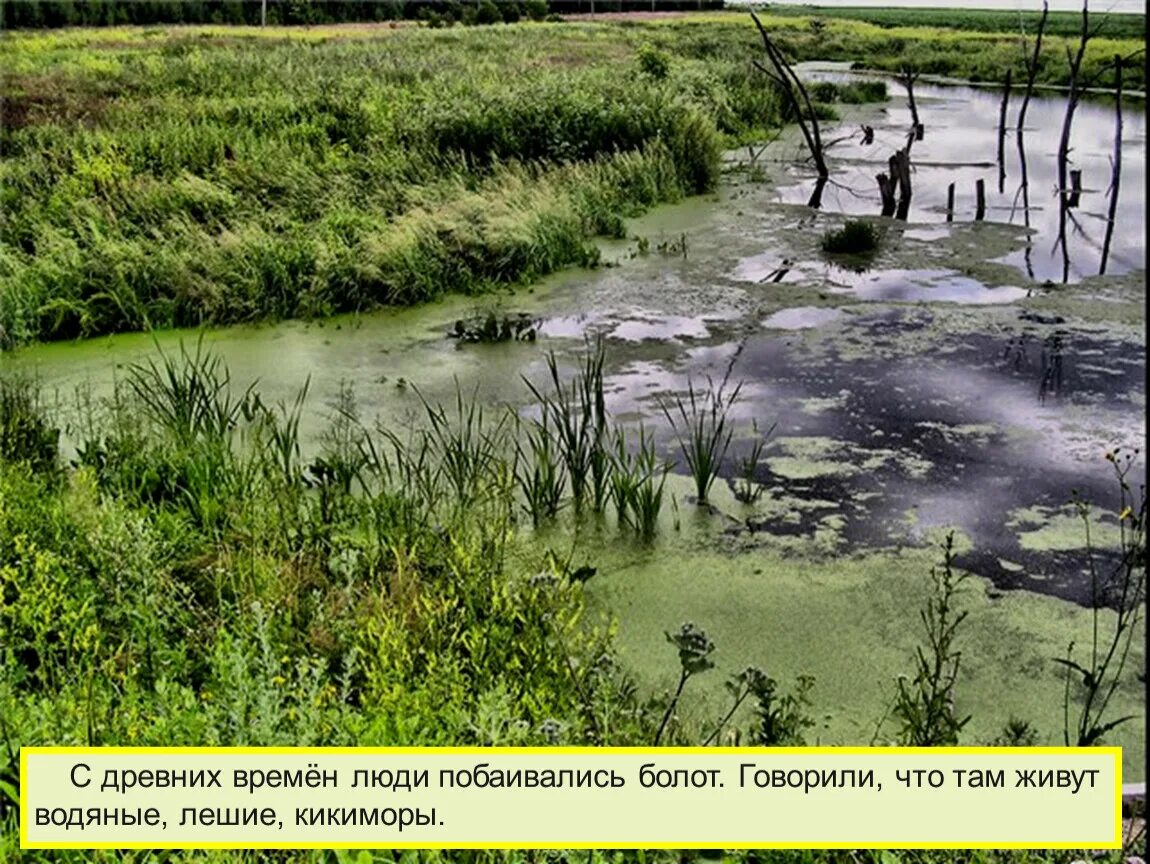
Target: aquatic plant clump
702,425
856,237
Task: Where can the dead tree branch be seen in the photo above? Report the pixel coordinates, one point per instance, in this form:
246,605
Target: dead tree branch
796,94
1115,168
1064,199
1031,61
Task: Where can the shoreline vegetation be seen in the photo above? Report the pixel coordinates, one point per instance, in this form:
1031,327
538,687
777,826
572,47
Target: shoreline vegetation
191,577
178,176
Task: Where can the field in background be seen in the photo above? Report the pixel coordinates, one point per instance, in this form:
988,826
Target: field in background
1119,26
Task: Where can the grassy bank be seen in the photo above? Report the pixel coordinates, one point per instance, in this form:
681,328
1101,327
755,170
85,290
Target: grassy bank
168,178
958,50
177,176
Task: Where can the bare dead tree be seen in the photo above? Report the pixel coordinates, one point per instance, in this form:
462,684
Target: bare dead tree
1031,62
800,101
907,76
1115,166
1002,134
1072,99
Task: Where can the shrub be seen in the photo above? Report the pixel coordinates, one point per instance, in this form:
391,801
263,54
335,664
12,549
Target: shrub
654,62
536,9
824,91
861,92
488,13
510,11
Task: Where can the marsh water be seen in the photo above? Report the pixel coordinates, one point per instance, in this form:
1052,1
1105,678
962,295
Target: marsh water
959,146
937,385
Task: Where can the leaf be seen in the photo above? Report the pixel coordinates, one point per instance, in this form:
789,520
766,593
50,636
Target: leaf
1098,731
1087,676
8,790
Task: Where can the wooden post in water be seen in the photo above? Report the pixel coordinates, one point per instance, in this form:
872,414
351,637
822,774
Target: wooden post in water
980,199
1002,135
950,203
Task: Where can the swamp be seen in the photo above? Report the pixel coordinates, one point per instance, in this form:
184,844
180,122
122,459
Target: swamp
429,382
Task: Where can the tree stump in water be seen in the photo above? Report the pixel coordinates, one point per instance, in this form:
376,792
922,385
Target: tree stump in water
900,168
886,187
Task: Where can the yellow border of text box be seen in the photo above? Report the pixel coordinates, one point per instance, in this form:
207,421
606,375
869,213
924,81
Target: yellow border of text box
1114,752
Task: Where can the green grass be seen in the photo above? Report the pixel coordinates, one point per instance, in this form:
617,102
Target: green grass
175,177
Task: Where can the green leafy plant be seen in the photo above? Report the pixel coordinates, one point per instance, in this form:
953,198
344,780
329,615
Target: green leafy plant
1121,587
781,720
694,648
925,705
25,433
654,62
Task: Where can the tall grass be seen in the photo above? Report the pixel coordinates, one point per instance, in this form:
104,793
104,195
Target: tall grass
190,396
577,413
25,434
209,182
703,427
642,498
541,472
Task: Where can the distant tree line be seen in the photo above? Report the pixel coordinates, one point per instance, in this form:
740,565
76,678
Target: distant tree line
97,13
